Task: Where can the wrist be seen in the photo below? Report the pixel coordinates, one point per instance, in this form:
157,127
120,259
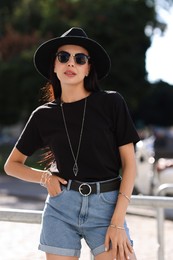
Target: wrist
45,177
124,195
121,227
118,220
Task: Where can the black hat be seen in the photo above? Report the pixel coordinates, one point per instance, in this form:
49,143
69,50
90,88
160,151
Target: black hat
75,36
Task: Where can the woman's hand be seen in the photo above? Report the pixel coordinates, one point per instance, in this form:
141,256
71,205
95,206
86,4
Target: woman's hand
53,185
121,247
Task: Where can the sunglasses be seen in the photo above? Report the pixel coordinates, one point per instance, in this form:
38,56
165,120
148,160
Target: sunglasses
79,58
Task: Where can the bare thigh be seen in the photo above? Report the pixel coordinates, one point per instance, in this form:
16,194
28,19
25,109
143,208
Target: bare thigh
108,256
59,257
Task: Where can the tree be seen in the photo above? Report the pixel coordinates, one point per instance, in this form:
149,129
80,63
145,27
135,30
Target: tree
117,24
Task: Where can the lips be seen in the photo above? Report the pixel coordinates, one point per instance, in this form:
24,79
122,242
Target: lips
69,73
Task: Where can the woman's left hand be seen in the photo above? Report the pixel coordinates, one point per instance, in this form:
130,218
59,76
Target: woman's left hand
120,244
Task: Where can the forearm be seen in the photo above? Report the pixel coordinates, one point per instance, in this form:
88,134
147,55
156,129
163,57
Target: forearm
15,166
126,188
23,172
122,202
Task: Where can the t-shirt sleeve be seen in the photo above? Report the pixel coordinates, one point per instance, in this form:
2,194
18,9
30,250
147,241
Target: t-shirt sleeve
125,130
30,139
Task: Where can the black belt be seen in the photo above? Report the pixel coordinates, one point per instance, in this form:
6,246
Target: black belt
87,188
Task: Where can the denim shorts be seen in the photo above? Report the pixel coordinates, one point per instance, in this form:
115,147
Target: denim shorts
68,217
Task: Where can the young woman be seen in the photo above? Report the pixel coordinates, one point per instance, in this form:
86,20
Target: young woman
91,136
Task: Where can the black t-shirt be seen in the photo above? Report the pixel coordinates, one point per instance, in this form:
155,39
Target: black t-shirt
107,126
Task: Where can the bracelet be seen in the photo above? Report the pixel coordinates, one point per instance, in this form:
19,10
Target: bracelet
44,178
123,194
115,226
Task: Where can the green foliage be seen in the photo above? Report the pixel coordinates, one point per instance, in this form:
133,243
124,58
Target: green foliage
117,24
19,88
29,13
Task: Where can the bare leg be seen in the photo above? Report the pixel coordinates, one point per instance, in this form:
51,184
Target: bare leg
108,256
58,257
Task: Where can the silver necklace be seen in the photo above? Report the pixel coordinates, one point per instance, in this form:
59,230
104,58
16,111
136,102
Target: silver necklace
75,166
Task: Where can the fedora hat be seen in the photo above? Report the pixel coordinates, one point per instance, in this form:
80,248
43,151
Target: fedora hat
75,36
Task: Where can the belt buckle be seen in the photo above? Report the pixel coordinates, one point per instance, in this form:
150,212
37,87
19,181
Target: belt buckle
81,188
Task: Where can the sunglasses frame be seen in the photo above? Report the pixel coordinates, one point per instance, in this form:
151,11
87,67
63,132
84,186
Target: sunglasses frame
68,55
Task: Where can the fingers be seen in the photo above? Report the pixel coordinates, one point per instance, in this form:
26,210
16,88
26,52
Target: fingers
121,248
107,241
61,180
130,248
122,252
53,185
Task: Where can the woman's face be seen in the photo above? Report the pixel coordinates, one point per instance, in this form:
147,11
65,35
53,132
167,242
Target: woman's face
66,66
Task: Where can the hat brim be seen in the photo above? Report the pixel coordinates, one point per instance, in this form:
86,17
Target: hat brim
46,51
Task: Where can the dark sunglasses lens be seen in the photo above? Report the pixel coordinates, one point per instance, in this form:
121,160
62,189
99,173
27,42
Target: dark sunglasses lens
63,57
81,59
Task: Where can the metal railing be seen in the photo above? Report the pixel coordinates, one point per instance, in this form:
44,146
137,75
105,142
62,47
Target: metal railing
158,202
162,190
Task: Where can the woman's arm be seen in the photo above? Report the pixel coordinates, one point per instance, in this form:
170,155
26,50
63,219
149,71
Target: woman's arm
15,166
127,155
116,234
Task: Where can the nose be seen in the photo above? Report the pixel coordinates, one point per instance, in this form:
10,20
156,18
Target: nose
71,61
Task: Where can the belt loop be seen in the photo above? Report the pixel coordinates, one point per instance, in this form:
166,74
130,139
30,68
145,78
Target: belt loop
69,184
98,187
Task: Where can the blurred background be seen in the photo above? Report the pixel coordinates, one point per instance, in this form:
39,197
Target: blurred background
137,35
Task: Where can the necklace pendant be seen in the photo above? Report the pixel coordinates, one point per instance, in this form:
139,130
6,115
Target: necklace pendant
75,169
